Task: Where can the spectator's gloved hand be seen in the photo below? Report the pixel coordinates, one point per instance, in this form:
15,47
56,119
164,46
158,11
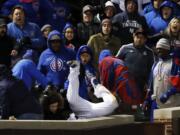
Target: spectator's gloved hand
25,41
145,105
94,82
73,63
89,75
38,87
165,96
50,88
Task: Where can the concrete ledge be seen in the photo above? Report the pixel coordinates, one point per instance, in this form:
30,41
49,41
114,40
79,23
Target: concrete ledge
167,113
113,120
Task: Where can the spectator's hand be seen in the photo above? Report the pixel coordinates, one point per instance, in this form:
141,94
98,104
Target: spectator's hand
145,105
50,88
25,41
73,63
89,75
14,53
12,118
165,96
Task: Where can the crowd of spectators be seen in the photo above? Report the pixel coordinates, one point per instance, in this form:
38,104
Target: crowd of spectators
75,60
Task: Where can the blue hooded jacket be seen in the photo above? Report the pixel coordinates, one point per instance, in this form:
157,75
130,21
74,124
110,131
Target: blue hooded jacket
89,66
74,44
53,64
151,15
26,70
159,23
85,83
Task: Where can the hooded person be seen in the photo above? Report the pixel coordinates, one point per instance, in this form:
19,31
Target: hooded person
154,10
127,22
52,62
161,22
109,10
114,76
26,70
84,57
70,37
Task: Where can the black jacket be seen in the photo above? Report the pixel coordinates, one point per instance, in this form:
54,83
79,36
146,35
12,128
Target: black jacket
7,45
15,99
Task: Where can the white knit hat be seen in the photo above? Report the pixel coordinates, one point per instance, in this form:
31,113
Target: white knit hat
45,26
109,4
163,43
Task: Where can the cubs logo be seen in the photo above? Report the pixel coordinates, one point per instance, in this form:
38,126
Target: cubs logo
56,65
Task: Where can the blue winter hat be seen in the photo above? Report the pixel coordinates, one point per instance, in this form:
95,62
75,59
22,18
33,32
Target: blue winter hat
104,53
84,49
54,35
68,25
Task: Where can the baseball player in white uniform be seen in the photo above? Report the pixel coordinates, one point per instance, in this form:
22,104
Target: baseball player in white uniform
83,108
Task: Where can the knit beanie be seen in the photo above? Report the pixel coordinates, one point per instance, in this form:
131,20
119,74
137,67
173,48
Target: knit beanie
163,43
87,8
45,26
68,25
110,4
106,20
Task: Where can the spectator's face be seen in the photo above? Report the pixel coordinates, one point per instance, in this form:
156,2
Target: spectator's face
55,45
139,40
131,6
69,34
85,58
157,3
35,5
106,28
166,12
175,26
109,11
54,107
47,31
18,17
162,53
60,11
87,17
3,30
